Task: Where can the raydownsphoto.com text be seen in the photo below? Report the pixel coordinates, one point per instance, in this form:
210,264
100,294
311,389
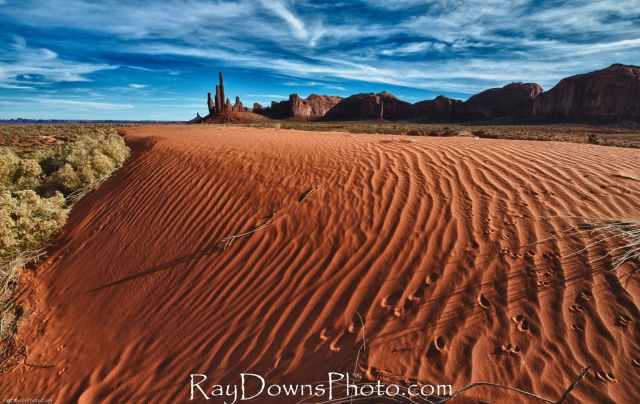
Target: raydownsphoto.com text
252,386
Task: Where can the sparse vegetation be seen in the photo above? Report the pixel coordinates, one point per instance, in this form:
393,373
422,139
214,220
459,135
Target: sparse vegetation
625,233
601,135
39,182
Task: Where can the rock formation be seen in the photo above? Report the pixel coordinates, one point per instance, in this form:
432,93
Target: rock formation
238,107
513,100
220,99
220,107
607,95
440,109
221,110
211,104
196,119
310,108
371,106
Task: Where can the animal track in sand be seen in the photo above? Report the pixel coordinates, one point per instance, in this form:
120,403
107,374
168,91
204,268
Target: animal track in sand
416,296
622,320
605,376
388,302
522,324
585,295
431,278
510,348
483,302
324,334
335,344
439,343
399,311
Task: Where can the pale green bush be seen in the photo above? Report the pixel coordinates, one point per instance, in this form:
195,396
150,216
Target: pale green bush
28,175
87,161
27,220
37,188
9,162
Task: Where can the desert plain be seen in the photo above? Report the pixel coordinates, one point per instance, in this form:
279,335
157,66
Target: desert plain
219,250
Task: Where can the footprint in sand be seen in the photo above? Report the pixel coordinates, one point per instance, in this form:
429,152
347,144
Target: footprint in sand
576,308
335,344
388,302
622,320
325,334
605,377
431,278
510,348
578,329
399,311
483,302
417,295
585,295
522,324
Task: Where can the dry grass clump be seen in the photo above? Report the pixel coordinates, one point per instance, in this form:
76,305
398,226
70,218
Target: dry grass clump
37,189
625,233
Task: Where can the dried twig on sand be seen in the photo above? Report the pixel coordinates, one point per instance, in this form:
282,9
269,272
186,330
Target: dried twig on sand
230,239
303,197
564,396
227,241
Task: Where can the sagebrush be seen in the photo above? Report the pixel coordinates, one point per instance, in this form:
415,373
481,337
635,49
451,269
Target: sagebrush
37,189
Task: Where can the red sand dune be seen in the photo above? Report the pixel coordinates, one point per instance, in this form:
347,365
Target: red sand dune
415,234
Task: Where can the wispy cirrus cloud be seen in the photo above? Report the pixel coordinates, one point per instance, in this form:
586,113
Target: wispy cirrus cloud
413,48
281,10
22,66
437,46
85,105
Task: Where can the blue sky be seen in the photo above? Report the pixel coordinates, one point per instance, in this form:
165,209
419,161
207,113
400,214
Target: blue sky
110,59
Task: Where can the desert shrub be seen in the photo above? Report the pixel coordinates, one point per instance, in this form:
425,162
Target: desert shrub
9,162
38,185
33,188
85,162
27,220
28,175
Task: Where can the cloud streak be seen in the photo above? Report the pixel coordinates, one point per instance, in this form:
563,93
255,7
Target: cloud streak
441,46
27,67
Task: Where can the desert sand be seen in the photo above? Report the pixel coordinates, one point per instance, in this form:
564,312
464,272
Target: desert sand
454,251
